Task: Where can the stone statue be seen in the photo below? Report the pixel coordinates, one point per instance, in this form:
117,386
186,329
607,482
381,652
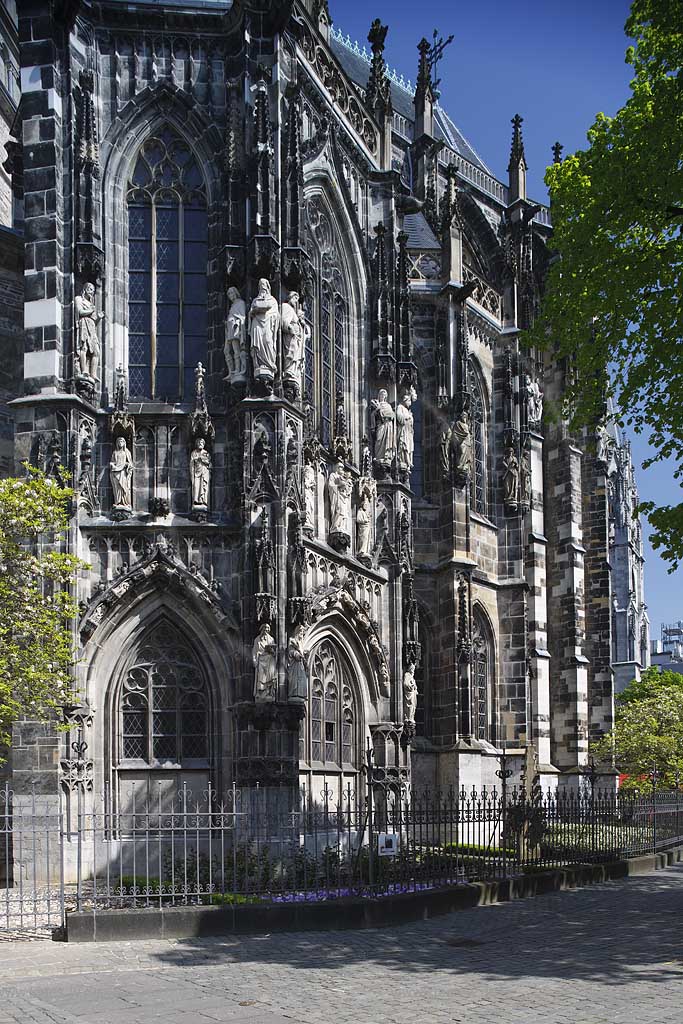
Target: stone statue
534,401
339,494
294,332
385,430
297,667
265,671
525,479
310,494
364,532
264,318
367,490
87,343
200,474
601,444
409,692
405,429
121,475
461,437
510,476
235,350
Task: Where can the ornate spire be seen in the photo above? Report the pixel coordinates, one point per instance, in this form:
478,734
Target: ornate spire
557,153
517,151
378,93
403,319
424,73
517,167
295,173
451,207
200,421
87,150
341,444
120,390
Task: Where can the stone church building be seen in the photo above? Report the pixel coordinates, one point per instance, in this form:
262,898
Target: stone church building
272,303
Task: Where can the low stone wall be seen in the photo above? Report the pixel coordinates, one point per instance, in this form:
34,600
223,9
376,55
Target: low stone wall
353,913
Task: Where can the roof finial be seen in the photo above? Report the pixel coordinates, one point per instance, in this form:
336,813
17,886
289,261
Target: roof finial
378,93
557,153
517,150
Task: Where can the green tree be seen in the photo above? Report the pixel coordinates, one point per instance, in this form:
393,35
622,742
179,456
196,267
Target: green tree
36,645
648,730
613,298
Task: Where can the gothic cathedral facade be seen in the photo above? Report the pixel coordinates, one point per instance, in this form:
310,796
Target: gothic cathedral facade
272,302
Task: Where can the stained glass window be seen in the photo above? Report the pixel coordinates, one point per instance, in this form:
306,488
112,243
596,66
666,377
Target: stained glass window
482,681
164,709
167,268
326,367
479,437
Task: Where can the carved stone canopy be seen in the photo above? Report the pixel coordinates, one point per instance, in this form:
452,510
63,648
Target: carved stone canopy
162,568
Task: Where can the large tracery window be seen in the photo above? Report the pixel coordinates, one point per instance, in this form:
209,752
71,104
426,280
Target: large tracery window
326,353
164,706
478,490
329,738
167,269
482,681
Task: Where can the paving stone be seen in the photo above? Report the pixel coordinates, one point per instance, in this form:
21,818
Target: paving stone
608,954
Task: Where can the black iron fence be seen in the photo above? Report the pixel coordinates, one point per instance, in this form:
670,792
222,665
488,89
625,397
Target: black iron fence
249,849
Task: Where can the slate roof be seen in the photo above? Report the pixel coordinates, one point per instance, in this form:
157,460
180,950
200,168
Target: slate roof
358,70
420,235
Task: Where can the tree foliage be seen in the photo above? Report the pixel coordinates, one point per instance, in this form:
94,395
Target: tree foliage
36,645
614,295
648,730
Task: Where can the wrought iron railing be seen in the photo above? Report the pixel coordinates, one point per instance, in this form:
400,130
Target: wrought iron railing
252,847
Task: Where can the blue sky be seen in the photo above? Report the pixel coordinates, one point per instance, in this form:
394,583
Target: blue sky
555,63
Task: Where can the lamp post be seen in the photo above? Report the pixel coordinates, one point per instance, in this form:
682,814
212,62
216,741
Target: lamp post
590,772
654,775
504,774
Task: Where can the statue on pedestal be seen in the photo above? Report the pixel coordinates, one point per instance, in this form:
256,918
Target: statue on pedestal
405,432
367,490
409,693
384,432
121,476
200,474
87,342
461,438
264,319
297,668
510,477
265,669
534,401
339,488
294,332
235,350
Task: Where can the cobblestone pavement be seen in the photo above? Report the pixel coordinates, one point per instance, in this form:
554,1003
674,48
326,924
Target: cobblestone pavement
607,954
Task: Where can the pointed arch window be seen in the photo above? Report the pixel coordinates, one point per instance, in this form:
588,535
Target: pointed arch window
482,681
167,269
479,484
164,705
329,736
326,354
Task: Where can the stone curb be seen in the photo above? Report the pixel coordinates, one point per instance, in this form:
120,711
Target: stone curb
344,913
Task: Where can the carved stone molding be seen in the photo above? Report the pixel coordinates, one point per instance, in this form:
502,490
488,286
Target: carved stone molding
162,566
